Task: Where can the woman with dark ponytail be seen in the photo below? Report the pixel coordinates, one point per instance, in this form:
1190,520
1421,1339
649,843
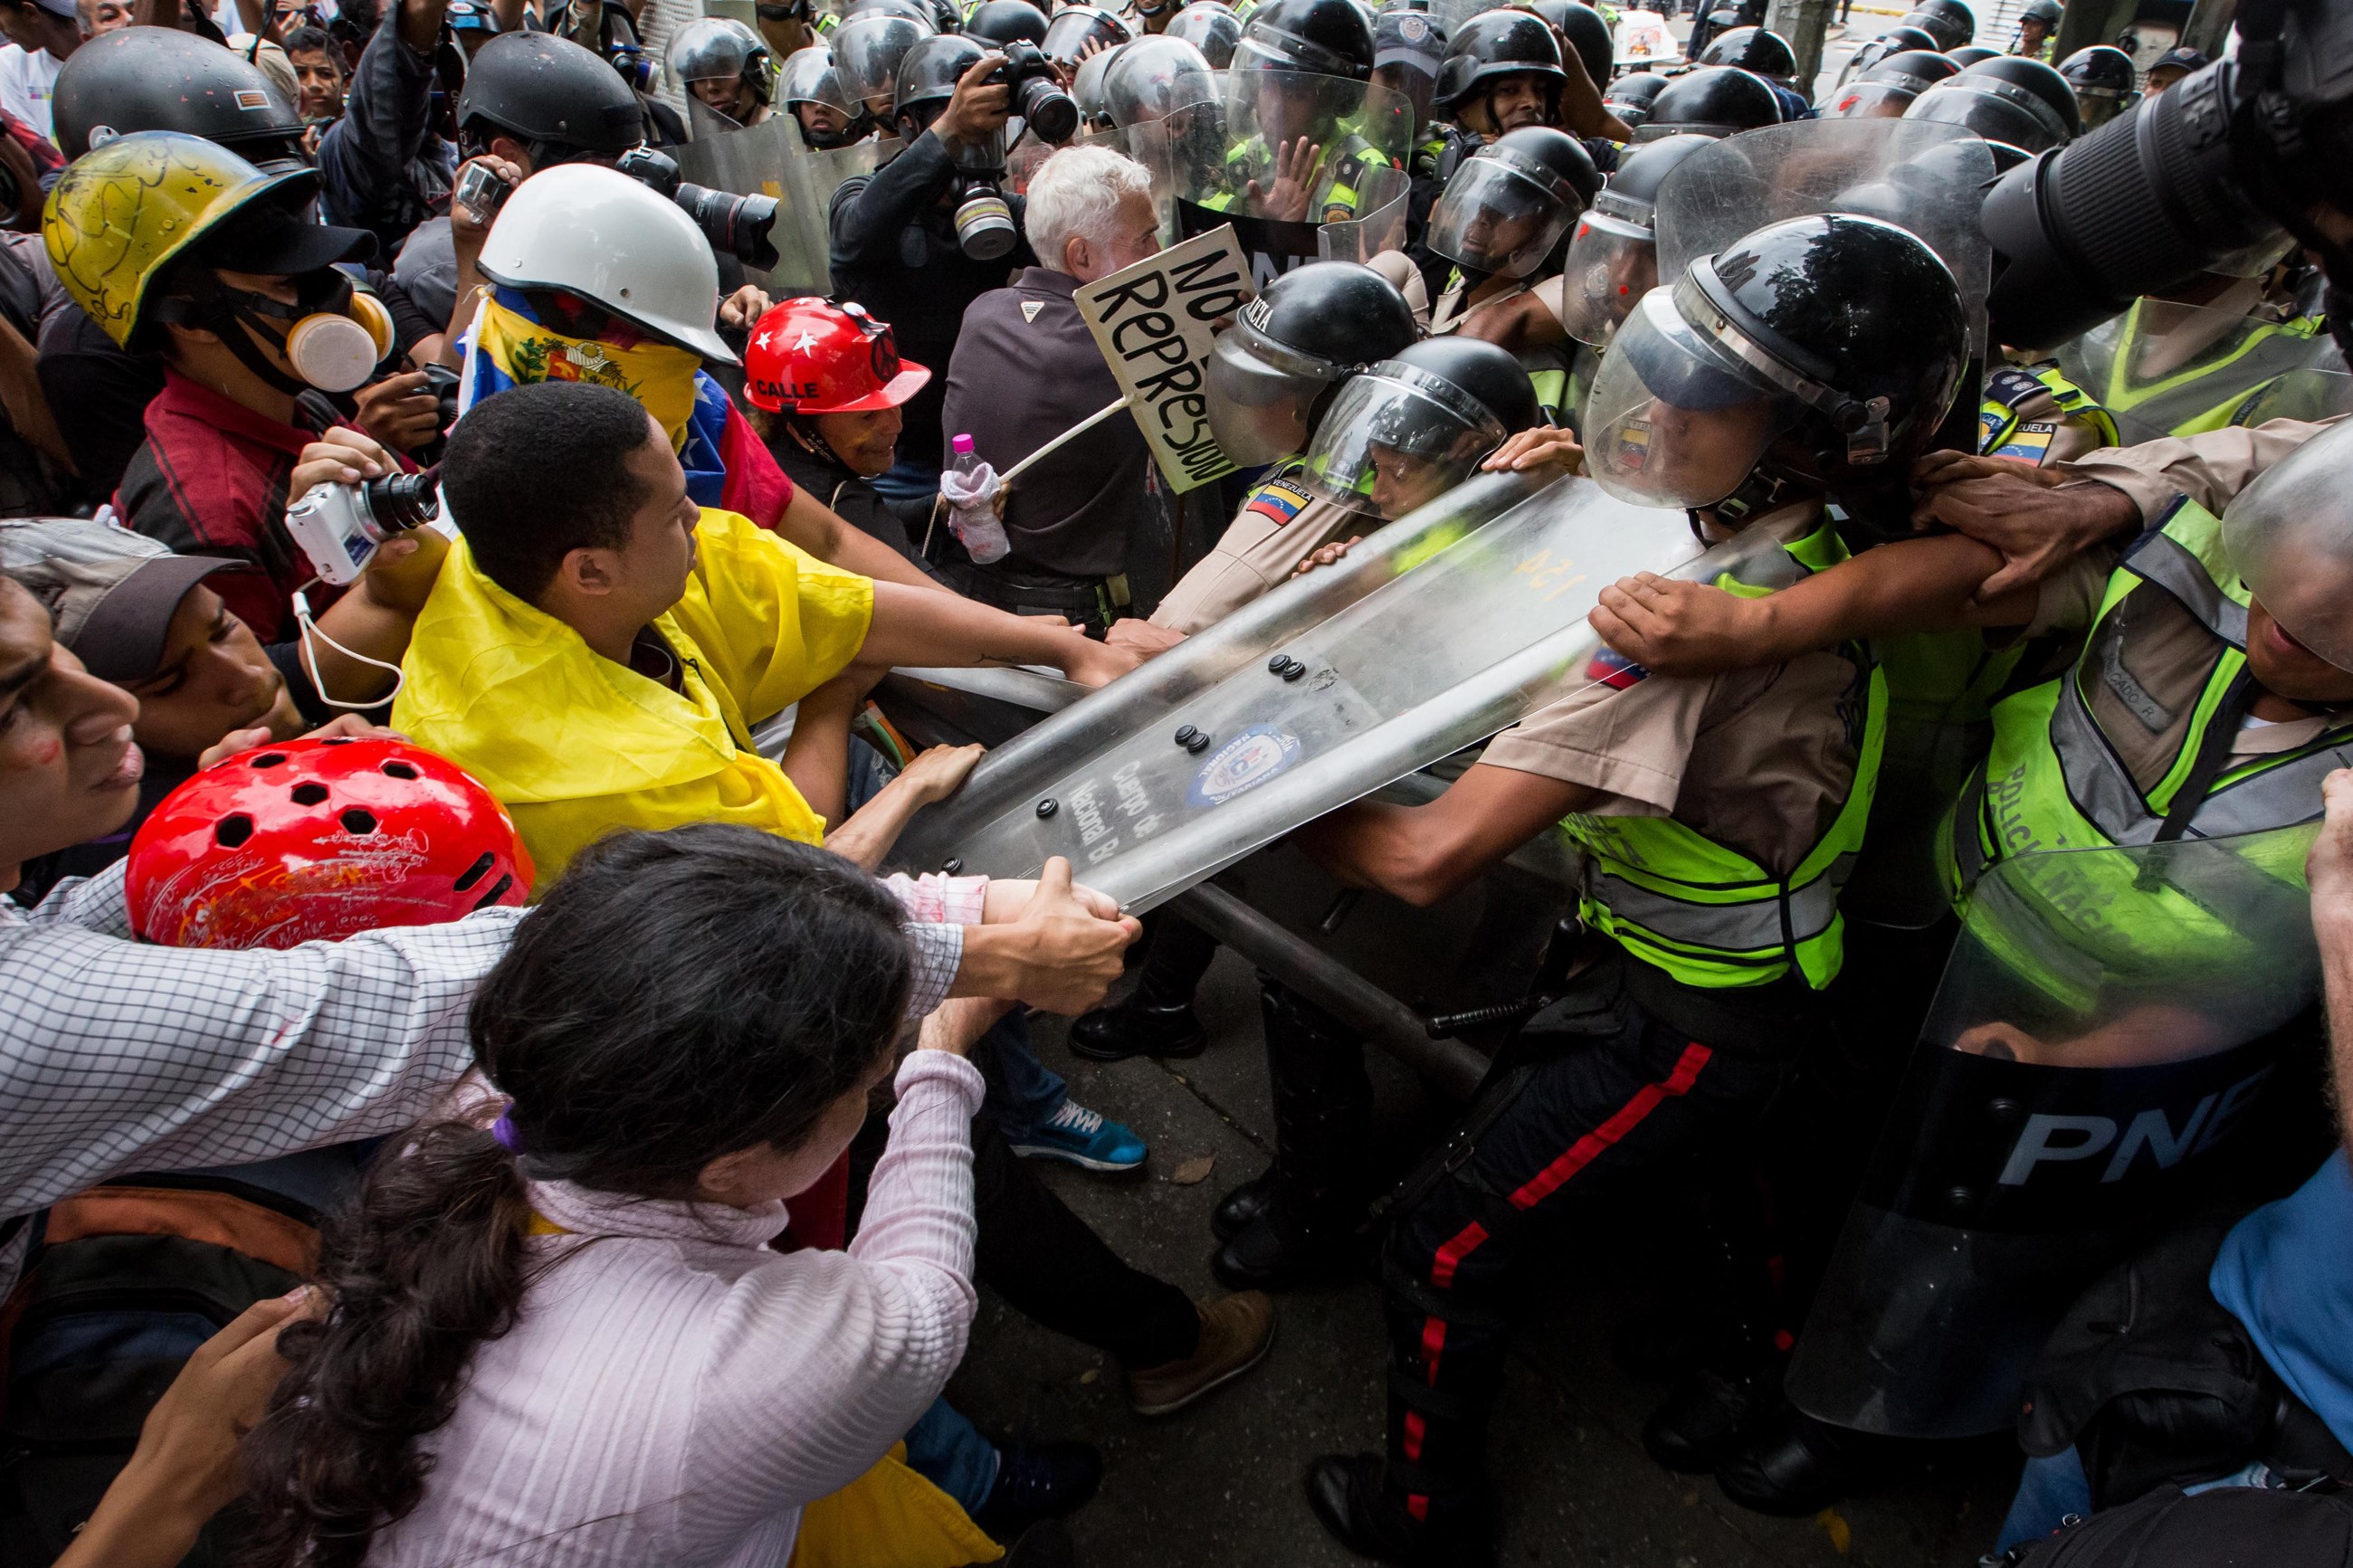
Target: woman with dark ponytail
562,1339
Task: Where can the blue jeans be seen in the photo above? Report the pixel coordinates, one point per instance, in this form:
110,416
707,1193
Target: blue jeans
1024,1093
946,1450
2048,1492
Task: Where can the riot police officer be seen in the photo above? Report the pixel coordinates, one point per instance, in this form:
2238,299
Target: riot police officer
2102,78
1630,97
1613,258
2013,102
1289,84
811,94
1503,71
1210,26
1716,101
1887,90
725,66
1816,355
2038,29
1950,22
1766,54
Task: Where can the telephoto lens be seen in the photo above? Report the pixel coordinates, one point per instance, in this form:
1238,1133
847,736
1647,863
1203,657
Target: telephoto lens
735,226
1051,114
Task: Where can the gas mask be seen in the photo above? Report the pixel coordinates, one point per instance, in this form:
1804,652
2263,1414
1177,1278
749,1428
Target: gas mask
333,335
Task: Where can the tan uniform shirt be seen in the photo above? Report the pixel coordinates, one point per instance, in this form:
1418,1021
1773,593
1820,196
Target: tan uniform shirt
1278,526
2208,469
1758,760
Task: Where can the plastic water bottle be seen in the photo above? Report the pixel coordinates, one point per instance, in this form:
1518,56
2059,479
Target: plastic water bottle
970,486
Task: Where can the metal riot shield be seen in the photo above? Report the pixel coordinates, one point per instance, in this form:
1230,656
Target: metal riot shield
2168,369
1437,631
2106,1019
1204,159
1920,177
770,159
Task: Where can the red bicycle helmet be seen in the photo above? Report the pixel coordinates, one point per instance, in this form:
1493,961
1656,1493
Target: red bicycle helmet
313,840
812,356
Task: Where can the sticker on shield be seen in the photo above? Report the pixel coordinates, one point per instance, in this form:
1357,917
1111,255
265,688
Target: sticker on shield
1244,762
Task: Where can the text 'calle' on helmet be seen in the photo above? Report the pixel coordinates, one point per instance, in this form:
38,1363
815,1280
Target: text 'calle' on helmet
810,356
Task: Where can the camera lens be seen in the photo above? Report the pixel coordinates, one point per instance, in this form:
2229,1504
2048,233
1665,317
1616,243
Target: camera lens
400,501
2139,205
1053,114
736,226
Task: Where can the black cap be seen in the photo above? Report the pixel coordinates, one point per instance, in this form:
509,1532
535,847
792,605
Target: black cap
277,239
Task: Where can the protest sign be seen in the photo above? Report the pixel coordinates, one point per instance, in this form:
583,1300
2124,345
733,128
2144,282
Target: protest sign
1152,323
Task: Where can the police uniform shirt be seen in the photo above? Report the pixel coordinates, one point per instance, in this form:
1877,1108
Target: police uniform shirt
2209,469
2045,433
1758,760
1279,523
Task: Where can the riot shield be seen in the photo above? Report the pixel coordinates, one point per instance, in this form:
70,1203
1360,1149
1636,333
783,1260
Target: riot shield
2168,369
1361,239
2106,1019
1206,158
769,159
1923,177
1437,631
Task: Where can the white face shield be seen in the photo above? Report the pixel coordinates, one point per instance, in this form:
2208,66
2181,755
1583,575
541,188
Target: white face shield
1676,419
1613,261
1501,213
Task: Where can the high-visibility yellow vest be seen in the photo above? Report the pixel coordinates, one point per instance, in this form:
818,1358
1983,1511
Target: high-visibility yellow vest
1707,914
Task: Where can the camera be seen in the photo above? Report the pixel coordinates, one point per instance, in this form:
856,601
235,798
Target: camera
2200,178
481,190
1048,111
735,226
340,526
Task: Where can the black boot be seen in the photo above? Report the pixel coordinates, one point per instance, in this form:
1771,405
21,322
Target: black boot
1708,1414
1797,1466
1346,1491
1037,1481
1306,1225
1158,1020
1240,1207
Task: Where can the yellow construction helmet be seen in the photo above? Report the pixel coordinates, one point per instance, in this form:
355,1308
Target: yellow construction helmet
120,212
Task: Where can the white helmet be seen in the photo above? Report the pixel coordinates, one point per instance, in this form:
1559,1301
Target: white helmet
596,233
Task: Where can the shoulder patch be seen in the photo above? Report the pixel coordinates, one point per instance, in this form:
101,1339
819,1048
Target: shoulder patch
1278,500
2011,387
2030,440
1614,670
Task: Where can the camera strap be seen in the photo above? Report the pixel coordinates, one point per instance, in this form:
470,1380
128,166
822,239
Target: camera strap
306,627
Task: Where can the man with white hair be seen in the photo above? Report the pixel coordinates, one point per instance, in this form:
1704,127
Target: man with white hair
1025,370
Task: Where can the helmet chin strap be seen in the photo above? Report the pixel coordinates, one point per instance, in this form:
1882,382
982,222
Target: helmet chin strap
237,317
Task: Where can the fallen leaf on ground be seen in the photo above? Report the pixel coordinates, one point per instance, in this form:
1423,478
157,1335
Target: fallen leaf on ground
1836,1527
1192,1172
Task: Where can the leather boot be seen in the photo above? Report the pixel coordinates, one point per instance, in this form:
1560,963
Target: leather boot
1347,1492
1240,1207
1797,1466
1158,1019
1305,1226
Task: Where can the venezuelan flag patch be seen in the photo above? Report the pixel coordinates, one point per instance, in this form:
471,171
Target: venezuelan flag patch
1278,500
1614,670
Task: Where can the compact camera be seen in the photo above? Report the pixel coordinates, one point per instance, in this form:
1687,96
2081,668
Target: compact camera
339,527
482,191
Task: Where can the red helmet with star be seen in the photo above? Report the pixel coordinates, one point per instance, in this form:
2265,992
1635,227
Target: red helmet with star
812,356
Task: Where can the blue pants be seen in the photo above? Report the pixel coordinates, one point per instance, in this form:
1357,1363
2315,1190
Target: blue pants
947,1451
2050,1489
1024,1093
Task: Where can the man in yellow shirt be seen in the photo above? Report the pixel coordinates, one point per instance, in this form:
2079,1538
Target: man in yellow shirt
597,645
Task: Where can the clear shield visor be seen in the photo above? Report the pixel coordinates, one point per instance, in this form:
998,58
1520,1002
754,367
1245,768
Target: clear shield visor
1499,216
1673,419
1397,438
1612,264
866,51
1874,100
1260,394
1068,35
809,78
2290,534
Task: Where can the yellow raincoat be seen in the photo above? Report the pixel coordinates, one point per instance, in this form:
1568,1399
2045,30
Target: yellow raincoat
576,746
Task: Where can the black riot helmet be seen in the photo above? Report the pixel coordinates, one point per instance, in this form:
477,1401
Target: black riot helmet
1889,87
553,95
2047,11
1716,101
1507,208
1630,97
1273,373
1822,351
2018,102
1499,44
1211,27
1613,258
1002,21
1753,49
1971,54
1950,22
1586,34
1409,428
1894,41
2102,79
161,78
928,74
1324,37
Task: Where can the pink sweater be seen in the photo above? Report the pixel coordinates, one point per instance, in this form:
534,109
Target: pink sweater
675,1393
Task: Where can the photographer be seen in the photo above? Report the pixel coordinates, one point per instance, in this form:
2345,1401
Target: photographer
1027,369
531,102
895,244
383,168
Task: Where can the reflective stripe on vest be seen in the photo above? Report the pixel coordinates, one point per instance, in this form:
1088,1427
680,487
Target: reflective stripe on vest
1707,914
2176,404
2053,780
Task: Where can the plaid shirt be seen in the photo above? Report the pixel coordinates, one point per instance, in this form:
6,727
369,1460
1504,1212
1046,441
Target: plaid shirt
118,1056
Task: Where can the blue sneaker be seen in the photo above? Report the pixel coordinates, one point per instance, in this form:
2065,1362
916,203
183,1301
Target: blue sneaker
1080,1137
